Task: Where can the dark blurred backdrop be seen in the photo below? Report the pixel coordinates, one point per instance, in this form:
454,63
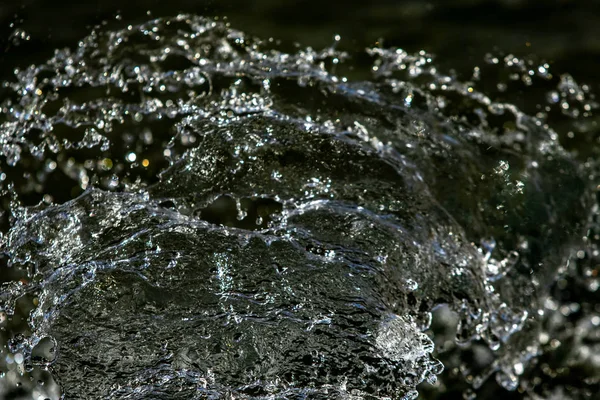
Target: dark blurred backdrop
460,32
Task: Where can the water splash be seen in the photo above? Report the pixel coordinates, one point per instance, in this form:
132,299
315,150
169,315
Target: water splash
231,219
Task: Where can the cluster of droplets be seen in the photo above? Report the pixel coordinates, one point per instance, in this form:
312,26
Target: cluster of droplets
417,79
96,114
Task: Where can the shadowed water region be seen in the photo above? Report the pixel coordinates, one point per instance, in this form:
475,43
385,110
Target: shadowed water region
192,212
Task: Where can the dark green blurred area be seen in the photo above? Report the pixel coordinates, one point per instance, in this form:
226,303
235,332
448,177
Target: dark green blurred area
459,32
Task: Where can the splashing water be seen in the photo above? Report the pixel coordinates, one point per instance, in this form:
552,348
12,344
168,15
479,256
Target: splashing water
220,218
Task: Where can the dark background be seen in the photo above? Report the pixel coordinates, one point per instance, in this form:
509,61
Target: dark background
459,32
